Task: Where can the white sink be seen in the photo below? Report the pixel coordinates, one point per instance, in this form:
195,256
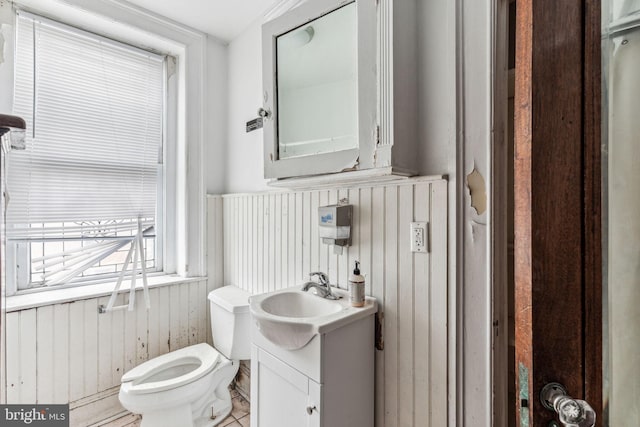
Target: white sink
290,318
298,304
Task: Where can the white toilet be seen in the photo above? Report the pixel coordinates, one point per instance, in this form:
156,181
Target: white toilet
189,387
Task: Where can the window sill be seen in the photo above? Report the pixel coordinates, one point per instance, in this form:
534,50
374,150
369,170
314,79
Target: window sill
65,295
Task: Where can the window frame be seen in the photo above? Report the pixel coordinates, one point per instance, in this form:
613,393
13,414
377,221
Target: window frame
195,51
167,195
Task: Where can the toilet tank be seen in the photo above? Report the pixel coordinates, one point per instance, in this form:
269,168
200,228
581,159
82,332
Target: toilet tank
230,321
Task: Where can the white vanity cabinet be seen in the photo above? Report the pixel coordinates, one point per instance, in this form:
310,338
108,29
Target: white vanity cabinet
327,383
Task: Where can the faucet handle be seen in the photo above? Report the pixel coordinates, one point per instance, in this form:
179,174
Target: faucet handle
324,279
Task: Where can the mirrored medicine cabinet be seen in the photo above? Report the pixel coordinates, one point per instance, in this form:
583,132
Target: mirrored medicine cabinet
327,89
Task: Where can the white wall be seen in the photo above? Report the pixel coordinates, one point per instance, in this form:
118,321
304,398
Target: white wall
6,58
623,8
271,242
216,116
455,114
623,229
69,353
437,87
245,150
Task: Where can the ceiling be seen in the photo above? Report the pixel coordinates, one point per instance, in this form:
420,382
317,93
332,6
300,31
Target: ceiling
225,19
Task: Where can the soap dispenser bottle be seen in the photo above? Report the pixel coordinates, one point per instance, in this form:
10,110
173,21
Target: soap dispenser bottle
356,287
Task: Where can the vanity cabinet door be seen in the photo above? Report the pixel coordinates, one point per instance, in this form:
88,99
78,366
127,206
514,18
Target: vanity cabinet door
281,396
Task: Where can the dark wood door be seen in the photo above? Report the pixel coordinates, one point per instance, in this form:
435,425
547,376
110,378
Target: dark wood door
557,204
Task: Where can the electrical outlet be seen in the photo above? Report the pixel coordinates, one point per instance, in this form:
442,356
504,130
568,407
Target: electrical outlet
418,237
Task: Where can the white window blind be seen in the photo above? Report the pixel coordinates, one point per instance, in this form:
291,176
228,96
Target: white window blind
92,165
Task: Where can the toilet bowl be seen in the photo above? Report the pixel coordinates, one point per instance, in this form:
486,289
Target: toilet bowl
189,387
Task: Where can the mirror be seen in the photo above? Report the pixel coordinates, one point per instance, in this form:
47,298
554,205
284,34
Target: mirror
317,85
319,72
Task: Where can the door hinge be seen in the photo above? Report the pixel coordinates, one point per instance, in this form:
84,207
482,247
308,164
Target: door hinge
523,382
378,135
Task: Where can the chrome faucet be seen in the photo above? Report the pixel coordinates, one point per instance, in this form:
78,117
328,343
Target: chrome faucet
323,289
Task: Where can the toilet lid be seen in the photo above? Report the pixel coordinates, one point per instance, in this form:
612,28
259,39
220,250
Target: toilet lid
148,378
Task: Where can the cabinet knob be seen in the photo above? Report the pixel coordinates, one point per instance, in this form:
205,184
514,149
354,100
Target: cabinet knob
265,114
310,409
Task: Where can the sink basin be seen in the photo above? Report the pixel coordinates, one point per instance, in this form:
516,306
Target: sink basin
290,318
298,304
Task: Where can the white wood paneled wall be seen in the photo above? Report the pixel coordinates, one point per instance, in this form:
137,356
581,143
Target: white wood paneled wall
271,242
69,352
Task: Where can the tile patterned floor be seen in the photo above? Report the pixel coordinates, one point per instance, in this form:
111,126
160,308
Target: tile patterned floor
239,416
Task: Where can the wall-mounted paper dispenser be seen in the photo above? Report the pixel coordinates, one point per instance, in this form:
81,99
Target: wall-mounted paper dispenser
335,225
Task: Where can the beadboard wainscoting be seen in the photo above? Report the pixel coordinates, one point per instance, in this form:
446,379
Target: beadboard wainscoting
271,242
70,353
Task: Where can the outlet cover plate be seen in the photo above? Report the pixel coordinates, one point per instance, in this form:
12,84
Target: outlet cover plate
419,237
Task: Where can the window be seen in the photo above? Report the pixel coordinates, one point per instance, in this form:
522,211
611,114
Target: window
90,178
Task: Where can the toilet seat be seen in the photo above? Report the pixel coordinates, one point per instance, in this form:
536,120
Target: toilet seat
203,357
